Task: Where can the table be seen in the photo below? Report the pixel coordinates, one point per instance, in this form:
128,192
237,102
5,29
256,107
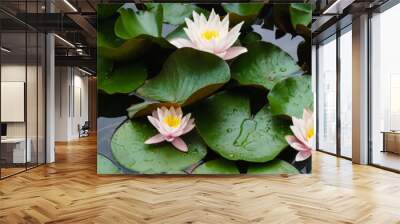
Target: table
391,141
18,150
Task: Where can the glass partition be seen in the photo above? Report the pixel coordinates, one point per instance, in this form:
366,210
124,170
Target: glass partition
327,96
22,78
346,93
385,89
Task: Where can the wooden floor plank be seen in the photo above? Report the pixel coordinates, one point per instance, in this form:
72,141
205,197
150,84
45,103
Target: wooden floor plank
70,191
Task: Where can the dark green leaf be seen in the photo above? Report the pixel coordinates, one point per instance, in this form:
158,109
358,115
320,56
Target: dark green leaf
264,64
124,78
291,96
187,75
131,24
243,9
250,38
239,12
105,166
135,48
129,150
107,10
220,166
300,14
175,13
227,126
273,167
114,105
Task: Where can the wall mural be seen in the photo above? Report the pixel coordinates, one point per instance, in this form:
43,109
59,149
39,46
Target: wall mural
204,89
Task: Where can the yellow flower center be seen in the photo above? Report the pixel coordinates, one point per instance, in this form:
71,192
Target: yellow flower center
310,133
210,35
172,121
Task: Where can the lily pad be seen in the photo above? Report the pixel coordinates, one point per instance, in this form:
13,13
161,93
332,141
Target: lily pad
187,75
124,78
226,124
132,23
129,150
239,12
136,47
243,9
291,96
300,14
107,10
175,13
274,167
220,166
264,65
105,166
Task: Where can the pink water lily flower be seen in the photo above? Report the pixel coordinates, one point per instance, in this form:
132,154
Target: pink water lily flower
303,130
212,35
170,124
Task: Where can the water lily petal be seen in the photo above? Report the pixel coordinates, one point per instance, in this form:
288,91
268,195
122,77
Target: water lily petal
234,52
299,135
180,144
181,42
302,155
296,143
155,139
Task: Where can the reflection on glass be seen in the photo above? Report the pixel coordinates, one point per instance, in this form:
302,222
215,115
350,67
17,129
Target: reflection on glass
346,94
15,150
327,96
385,89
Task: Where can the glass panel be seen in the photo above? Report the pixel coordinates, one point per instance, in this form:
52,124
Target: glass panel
41,99
346,94
327,96
385,89
13,89
31,100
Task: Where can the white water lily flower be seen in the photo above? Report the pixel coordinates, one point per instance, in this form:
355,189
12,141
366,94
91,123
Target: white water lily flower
212,35
170,124
303,130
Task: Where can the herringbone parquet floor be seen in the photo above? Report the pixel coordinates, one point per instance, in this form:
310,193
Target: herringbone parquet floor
70,191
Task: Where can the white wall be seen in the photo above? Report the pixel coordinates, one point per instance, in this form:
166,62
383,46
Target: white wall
71,102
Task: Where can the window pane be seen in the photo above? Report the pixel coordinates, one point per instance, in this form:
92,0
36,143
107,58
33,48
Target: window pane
327,96
346,94
385,89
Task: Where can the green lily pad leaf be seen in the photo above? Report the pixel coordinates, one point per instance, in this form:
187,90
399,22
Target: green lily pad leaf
106,37
107,10
264,65
105,166
187,75
226,124
124,78
220,166
250,38
175,13
135,48
291,96
129,150
131,24
300,14
273,167
243,9
177,33
239,12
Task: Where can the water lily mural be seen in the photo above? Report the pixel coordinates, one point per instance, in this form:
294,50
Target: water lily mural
187,88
